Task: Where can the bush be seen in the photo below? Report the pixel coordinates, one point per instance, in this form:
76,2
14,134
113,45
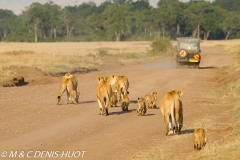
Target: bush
161,47
102,52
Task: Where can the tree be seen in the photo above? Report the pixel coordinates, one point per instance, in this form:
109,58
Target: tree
170,16
211,21
35,14
140,5
121,2
194,15
117,19
231,5
5,17
69,18
54,18
230,23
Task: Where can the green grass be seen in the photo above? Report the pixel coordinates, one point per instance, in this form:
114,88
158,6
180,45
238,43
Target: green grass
213,95
6,73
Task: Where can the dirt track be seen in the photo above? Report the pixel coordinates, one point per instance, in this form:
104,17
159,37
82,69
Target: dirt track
30,120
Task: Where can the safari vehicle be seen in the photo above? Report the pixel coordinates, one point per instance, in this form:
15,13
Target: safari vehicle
188,52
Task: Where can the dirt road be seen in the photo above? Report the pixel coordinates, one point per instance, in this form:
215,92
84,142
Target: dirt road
30,120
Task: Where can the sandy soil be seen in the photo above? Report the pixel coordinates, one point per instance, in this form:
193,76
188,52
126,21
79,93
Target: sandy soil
30,120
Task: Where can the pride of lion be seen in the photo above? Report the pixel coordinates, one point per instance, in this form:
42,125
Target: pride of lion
114,89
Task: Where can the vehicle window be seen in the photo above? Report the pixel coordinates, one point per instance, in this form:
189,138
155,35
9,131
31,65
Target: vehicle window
190,46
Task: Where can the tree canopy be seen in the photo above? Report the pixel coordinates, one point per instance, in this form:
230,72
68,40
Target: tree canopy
122,20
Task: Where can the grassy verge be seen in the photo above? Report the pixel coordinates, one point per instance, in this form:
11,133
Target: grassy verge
228,147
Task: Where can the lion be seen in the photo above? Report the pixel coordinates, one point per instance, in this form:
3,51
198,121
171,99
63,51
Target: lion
113,99
151,100
141,108
104,94
119,84
125,102
69,84
199,138
172,110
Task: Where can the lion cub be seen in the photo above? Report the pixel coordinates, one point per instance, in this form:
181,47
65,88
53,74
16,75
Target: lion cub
151,100
199,138
114,99
125,102
141,108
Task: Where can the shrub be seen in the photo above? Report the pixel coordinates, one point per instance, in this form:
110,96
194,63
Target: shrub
161,47
102,52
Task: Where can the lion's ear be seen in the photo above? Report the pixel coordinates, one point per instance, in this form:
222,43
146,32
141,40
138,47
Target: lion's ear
205,129
98,78
138,98
180,92
127,92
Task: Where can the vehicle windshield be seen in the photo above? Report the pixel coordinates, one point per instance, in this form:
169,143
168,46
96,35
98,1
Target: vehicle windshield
190,46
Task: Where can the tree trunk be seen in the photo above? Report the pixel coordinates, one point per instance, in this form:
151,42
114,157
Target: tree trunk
228,34
36,36
71,32
178,29
117,36
51,32
44,34
194,33
67,31
5,32
206,35
163,30
198,29
55,33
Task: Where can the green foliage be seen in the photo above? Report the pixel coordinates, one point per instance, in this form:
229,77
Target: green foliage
231,5
161,47
62,67
102,52
121,20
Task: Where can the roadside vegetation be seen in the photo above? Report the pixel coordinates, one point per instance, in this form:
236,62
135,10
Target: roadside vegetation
162,47
226,147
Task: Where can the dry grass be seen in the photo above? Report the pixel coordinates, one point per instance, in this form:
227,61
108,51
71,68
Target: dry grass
77,48
61,56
